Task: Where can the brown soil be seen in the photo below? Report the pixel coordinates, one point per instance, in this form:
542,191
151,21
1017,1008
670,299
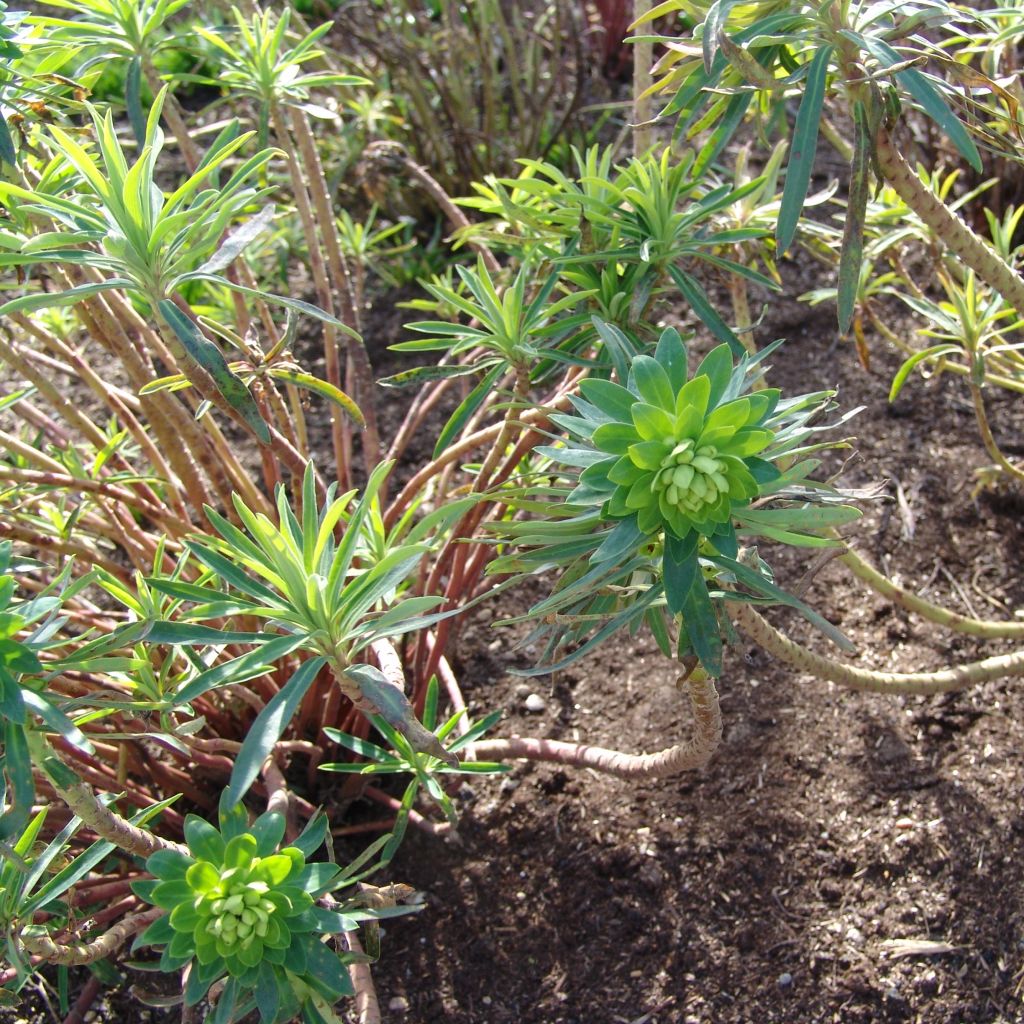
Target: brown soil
785,881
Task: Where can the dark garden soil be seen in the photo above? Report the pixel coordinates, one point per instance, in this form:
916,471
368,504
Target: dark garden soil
844,858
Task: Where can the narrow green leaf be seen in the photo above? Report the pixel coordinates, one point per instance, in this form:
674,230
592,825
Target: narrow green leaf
16,764
280,300
918,357
203,352
8,154
699,303
421,374
467,407
702,627
133,100
929,97
247,666
714,23
239,240
681,569
267,729
804,147
47,300
323,388
191,634
57,720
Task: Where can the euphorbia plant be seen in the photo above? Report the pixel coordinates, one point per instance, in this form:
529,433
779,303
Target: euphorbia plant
668,476
242,907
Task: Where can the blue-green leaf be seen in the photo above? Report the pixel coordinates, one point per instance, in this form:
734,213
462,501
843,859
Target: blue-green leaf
205,353
805,144
268,727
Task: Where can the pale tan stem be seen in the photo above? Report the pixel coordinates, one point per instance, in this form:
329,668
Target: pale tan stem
125,406
77,953
946,225
89,556
366,1003
692,754
832,134
947,680
340,433
343,285
643,56
918,605
277,788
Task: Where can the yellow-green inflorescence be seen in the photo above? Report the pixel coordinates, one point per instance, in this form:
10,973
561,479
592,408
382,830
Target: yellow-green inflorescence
691,477
232,902
244,910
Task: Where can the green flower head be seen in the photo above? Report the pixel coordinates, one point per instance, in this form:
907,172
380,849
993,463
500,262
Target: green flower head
680,455
655,518
240,906
233,900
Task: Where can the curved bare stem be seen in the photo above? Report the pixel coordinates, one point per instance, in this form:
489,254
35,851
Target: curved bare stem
101,819
767,636
693,753
863,570
76,953
987,437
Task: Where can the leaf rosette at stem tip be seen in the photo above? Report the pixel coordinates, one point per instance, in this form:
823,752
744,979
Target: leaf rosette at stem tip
668,475
675,455
240,905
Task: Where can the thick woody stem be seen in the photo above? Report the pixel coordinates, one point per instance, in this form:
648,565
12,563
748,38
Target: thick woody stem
960,239
367,1005
78,953
919,606
111,826
694,753
944,681
277,788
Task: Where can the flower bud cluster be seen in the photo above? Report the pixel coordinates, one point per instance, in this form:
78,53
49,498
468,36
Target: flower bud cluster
690,477
244,911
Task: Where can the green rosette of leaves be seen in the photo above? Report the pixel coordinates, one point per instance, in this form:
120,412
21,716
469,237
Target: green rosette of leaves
235,905
670,480
680,456
242,907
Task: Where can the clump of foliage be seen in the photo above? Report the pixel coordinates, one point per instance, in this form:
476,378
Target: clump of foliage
214,581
